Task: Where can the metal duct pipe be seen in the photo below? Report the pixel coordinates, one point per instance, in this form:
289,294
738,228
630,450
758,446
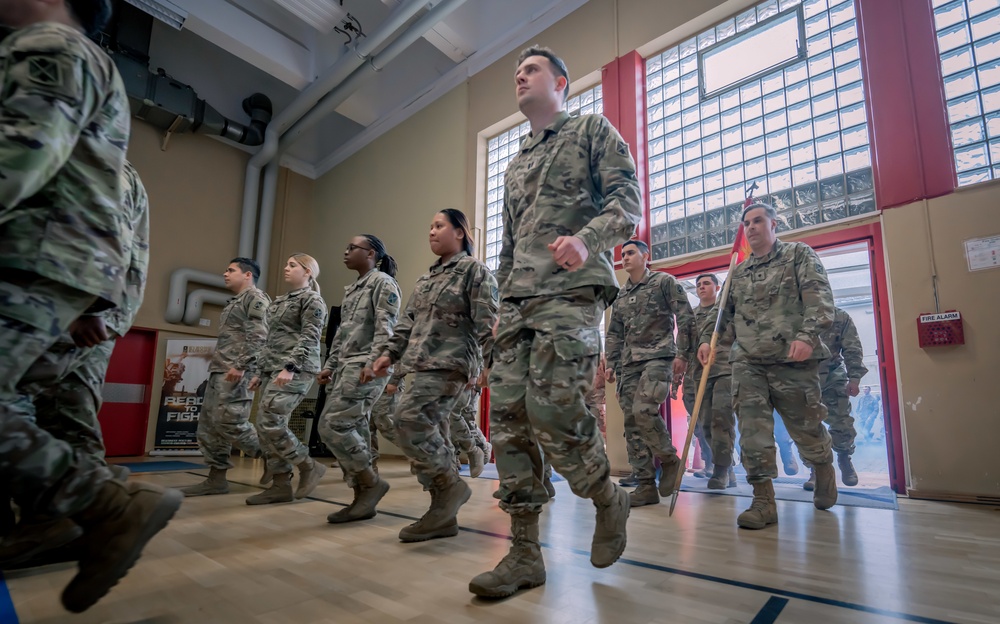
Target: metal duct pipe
331,101
338,96
269,192
178,290
197,298
306,100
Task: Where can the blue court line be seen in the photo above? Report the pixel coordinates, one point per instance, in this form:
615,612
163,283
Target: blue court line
7,613
769,613
679,572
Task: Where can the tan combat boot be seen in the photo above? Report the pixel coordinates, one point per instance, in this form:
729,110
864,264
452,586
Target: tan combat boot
669,468
645,494
732,478
117,526
216,483
762,510
310,472
119,473
848,475
825,495
720,477
609,541
441,520
34,536
477,461
550,489
279,492
369,491
522,567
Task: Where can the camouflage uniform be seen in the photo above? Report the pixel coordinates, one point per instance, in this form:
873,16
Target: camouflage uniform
68,409
383,411
690,391
447,323
465,432
717,420
295,325
225,414
775,299
845,364
65,120
369,312
574,177
640,347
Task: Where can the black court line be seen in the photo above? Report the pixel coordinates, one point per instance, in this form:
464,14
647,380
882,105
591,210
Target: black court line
769,613
909,617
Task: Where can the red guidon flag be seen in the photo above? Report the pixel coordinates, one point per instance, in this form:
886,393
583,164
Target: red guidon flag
741,246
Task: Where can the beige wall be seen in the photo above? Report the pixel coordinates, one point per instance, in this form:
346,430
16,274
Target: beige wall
195,190
950,412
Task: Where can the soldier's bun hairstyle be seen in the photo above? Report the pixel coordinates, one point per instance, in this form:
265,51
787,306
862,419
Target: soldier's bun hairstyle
93,15
310,263
383,261
459,221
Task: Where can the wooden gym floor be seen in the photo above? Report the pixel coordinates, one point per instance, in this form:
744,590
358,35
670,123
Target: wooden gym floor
221,561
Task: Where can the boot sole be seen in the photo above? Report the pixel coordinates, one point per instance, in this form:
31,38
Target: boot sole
808,487
165,509
310,485
850,482
754,526
448,531
717,486
331,519
504,590
640,503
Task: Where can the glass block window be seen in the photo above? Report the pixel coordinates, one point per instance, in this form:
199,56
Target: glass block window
968,35
800,132
501,149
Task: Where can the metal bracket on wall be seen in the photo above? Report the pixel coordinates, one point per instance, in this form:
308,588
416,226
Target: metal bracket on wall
170,132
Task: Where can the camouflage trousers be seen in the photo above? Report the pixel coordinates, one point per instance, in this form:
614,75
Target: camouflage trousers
381,421
68,408
838,410
544,362
465,432
43,474
423,423
225,421
702,432
642,388
282,448
344,425
791,389
717,422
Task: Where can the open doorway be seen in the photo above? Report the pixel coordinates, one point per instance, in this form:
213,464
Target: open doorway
849,266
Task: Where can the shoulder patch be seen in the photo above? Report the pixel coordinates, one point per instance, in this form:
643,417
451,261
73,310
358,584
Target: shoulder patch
622,148
44,71
819,268
393,298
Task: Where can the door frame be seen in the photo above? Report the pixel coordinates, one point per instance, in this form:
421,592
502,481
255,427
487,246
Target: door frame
870,233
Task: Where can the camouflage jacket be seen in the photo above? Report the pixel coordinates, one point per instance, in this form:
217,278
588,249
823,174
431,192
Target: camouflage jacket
775,299
448,321
295,326
575,177
642,321
845,346
64,118
242,332
705,318
136,235
368,315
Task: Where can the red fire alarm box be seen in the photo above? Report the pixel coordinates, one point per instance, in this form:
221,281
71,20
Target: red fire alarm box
940,330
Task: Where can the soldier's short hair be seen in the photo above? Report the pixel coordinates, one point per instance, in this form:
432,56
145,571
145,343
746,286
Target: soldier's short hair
640,245
711,276
247,266
769,210
558,65
93,15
